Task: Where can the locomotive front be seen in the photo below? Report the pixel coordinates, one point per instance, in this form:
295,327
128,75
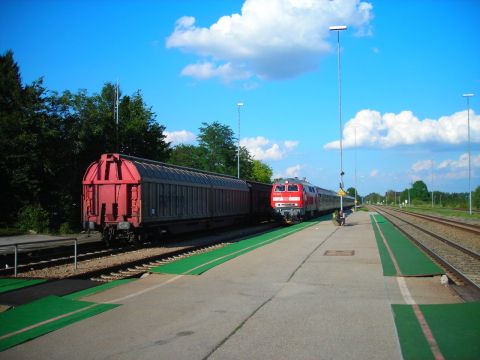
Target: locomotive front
287,201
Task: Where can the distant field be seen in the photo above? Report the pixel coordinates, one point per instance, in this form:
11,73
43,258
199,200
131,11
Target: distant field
362,208
461,214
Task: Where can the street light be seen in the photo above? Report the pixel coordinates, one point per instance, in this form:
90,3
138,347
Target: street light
339,28
355,206
468,96
409,203
431,177
239,105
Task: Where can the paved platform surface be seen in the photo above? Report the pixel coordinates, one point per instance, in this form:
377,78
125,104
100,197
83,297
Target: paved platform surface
286,300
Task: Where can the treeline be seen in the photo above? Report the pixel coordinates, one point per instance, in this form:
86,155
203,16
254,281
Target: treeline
217,152
48,139
418,194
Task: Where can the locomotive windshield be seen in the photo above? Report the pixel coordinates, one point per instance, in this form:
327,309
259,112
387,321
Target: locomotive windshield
292,187
279,188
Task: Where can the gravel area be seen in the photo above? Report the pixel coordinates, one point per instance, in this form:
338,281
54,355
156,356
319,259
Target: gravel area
115,260
102,263
461,237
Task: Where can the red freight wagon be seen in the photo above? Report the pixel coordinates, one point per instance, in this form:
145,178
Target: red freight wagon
124,196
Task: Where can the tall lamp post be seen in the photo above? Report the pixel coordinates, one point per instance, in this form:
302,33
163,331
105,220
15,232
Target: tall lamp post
431,177
468,96
409,203
355,205
239,105
339,28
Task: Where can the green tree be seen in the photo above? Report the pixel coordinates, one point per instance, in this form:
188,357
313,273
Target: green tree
11,124
374,198
476,198
217,152
139,133
217,148
28,131
246,164
186,155
419,191
351,192
261,172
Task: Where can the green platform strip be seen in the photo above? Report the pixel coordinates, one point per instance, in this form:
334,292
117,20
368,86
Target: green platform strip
411,260
96,289
14,284
42,316
198,264
455,327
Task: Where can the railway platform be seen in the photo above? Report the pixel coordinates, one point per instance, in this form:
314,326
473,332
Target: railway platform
317,293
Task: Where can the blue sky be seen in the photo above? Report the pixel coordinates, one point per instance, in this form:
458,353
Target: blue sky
405,66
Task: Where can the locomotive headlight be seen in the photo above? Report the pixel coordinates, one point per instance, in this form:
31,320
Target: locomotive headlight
123,225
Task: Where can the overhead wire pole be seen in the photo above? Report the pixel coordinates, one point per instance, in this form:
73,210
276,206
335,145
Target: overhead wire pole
239,104
431,178
339,28
115,115
468,96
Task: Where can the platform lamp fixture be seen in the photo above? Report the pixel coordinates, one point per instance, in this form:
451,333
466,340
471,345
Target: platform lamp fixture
468,96
239,105
339,28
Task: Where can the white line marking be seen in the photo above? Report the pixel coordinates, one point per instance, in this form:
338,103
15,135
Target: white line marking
34,326
145,290
407,296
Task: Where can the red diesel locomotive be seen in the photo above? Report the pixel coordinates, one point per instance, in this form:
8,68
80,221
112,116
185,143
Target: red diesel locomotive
293,200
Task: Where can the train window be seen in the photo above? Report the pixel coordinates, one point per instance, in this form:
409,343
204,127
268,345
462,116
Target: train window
292,187
280,188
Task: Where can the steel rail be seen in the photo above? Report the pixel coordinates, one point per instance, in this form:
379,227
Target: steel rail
441,260
458,224
467,251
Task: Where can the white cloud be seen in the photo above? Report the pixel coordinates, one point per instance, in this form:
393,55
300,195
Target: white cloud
290,144
264,149
374,173
294,171
180,137
272,39
422,165
390,130
447,169
226,73
461,163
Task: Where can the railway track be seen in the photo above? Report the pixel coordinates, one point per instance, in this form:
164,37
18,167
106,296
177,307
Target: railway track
454,247
139,267
39,258
108,264
475,229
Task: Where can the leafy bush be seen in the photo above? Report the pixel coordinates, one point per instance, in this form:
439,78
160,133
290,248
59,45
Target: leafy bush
65,228
33,218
